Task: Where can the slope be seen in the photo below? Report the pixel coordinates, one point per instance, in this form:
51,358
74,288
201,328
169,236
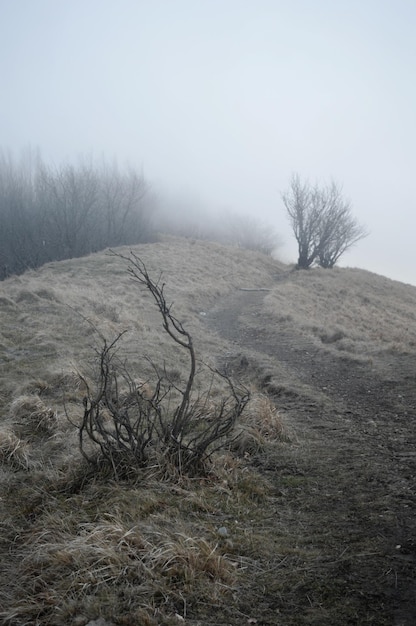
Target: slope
313,527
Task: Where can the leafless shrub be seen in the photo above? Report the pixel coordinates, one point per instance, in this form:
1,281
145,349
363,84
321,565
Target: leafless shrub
164,423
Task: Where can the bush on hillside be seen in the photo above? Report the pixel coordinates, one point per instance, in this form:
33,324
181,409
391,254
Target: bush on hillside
128,424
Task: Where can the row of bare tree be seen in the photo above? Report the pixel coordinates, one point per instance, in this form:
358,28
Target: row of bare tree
50,213
53,213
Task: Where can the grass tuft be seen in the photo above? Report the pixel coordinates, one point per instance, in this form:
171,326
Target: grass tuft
32,417
260,425
13,451
108,564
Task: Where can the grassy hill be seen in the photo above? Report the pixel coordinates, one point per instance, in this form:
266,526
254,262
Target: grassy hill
48,316
243,543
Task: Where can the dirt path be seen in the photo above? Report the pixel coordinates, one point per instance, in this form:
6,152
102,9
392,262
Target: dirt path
348,489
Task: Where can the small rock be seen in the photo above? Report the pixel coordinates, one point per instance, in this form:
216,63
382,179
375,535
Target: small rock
222,531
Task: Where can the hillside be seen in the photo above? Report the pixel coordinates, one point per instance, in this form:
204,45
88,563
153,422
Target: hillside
48,316
307,518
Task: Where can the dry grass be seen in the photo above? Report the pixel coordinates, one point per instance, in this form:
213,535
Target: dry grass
75,546
262,415
32,418
348,310
122,551
260,425
13,451
79,547
48,325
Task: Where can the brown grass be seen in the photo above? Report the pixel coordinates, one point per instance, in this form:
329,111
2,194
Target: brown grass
49,324
31,417
13,451
84,550
140,552
260,425
74,545
348,310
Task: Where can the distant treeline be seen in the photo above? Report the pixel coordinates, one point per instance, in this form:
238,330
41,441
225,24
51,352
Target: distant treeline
53,213
50,213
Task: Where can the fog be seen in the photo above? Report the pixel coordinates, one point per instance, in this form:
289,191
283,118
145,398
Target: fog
218,102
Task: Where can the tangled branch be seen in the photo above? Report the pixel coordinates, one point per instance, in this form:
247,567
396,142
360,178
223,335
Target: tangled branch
131,429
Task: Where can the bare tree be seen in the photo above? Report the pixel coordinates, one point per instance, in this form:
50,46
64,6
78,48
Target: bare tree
124,211
305,219
52,213
21,238
345,231
322,222
70,194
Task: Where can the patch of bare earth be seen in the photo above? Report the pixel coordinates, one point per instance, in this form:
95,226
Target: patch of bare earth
344,514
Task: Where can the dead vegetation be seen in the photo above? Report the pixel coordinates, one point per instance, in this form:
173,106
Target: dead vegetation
32,418
140,427
349,311
13,451
292,522
85,550
260,426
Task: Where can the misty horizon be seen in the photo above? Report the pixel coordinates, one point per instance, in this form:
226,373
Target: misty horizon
218,104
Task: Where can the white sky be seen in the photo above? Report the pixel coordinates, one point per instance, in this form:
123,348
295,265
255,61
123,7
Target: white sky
222,100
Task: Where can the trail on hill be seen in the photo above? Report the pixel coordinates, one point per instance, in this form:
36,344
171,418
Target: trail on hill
354,504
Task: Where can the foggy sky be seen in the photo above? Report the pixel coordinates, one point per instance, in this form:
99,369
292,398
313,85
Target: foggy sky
220,101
